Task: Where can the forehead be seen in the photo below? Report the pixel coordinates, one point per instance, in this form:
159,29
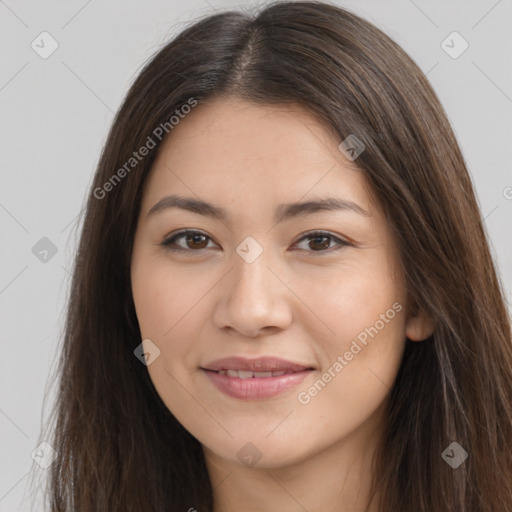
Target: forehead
236,152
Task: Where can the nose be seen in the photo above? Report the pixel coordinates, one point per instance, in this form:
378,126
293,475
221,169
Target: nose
253,299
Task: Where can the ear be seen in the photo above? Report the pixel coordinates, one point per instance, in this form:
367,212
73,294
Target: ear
419,326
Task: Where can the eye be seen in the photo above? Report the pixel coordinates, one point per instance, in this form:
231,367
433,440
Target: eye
194,241
319,242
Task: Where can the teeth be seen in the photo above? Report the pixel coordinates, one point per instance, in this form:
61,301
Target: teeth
246,374
263,374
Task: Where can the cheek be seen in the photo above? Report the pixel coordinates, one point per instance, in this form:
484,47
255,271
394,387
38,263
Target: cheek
171,310
352,300
359,363
165,298
168,306
364,311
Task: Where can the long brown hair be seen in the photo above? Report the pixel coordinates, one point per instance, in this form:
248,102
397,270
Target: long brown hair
119,447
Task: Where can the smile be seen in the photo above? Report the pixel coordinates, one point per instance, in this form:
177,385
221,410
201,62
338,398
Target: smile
247,374
249,385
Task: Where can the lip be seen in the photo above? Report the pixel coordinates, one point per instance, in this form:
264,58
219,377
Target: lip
253,388
260,364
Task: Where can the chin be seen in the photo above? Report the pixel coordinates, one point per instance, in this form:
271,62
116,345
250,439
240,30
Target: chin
260,453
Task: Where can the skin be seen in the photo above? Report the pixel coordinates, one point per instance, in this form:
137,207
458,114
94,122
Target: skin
299,300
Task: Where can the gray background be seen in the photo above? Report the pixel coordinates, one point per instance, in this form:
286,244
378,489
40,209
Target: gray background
56,113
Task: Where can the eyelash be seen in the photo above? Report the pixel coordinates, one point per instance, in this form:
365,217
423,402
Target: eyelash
167,243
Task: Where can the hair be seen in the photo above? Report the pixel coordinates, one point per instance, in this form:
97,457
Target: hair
119,447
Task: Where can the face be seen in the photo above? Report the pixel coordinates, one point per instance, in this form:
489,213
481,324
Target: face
276,331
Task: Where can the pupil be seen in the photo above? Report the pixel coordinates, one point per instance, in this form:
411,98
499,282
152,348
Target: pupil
325,245
195,239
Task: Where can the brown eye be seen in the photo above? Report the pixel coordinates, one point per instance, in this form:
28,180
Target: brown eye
320,241
191,241
196,241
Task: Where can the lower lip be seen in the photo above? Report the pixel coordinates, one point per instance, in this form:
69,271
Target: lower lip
256,387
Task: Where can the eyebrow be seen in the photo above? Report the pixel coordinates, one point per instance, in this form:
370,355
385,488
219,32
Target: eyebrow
283,211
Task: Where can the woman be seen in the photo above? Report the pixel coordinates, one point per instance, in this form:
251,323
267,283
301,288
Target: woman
283,297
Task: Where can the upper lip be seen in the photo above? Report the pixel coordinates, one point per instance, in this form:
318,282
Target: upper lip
261,364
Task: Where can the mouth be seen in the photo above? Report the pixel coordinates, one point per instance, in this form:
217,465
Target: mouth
260,365
260,378
247,374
